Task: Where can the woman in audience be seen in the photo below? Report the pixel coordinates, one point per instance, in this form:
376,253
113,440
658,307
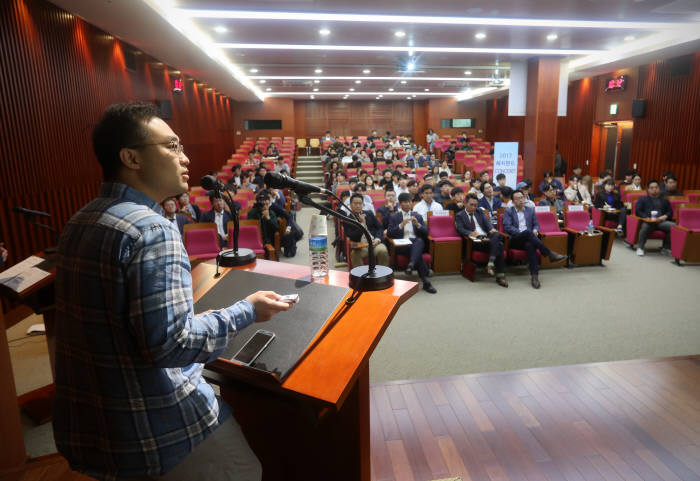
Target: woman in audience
331,170
576,192
445,168
369,183
467,176
609,199
636,183
435,171
184,206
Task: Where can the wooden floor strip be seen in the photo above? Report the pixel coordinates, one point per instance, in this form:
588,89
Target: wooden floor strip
622,421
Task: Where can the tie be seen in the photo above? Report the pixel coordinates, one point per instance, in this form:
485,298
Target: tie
471,217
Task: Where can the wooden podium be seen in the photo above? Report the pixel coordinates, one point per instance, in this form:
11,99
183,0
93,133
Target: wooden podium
314,425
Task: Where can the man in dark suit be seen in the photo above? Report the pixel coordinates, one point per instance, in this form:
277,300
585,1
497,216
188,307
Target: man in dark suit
472,222
521,224
654,202
406,224
185,207
219,216
355,234
170,213
490,201
389,208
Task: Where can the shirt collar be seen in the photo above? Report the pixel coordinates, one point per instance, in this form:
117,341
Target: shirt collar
117,190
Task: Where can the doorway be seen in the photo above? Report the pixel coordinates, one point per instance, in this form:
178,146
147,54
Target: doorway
615,146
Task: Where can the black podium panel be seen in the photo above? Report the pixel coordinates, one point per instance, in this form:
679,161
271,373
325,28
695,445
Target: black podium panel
294,329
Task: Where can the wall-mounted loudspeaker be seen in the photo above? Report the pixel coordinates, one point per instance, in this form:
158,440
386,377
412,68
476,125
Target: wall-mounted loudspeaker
639,107
166,109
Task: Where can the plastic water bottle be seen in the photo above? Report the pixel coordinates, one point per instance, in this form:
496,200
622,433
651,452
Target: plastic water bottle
318,246
590,227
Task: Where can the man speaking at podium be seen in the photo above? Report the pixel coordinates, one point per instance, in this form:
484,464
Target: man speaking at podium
130,400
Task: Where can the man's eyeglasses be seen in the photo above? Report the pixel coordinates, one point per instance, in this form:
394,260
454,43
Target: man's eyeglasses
174,146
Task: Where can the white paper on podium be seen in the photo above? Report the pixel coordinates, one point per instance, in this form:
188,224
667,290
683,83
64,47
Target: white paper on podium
24,274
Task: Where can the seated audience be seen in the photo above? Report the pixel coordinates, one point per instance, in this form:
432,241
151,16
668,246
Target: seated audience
587,182
443,196
360,188
457,200
185,207
427,204
656,213
261,212
236,177
489,202
170,213
598,186
472,222
281,167
550,200
550,180
410,225
484,176
671,187
445,168
506,196
355,234
475,187
636,183
414,190
608,199
628,180
500,183
219,216
577,193
402,185
369,183
577,170
520,223
340,180
259,179
389,207
386,181
662,184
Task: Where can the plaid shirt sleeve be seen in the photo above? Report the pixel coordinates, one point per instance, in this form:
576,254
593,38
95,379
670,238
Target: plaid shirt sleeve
161,310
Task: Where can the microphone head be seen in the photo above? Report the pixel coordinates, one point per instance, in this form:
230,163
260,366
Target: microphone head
275,180
209,182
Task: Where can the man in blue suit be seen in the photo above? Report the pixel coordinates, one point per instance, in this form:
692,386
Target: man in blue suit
406,224
472,222
219,216
520,222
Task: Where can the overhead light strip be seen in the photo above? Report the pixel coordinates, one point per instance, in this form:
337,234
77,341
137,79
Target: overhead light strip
385,93
302,77
393,48
184,24
421,19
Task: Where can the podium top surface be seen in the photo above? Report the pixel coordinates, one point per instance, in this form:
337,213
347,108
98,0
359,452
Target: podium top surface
330,366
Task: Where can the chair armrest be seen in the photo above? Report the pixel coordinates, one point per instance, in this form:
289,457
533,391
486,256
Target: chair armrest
609,230
571,231
271,252
681,228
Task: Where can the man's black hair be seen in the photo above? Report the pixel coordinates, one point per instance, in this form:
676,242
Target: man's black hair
443,174
411,183
548,173
652,181
474,181
359,187
426,187
444,182
506,192
501,176
357,196
670,177
404,197
668,173
471,196
630,172
576,167
456,190
547,188
121,126
484,184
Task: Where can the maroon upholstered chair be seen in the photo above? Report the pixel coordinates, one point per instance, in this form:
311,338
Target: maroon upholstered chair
552,236
685,237
445,244
512,255
201,240
250,237
586,249
634,223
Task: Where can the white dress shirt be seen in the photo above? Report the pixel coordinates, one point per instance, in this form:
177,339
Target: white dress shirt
408,232
219,220
522,223
478,230
423,208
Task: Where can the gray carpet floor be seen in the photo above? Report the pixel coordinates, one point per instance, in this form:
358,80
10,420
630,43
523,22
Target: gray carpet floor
631,308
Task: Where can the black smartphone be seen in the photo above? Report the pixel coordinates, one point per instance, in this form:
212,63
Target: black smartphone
254,347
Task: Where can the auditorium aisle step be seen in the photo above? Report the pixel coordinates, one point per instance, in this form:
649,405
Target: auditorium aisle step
309,170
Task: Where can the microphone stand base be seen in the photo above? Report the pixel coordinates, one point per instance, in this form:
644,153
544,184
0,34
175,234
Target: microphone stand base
381,278
227,257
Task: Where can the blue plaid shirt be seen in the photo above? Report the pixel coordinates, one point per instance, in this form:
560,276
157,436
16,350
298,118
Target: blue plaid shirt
130,399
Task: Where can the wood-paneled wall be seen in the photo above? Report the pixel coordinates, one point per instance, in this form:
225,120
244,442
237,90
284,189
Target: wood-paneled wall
574,131
271,109
358,117
57,75
666,138
500,127
450,108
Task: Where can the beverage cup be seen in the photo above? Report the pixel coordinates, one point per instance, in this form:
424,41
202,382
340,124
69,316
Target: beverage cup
654,214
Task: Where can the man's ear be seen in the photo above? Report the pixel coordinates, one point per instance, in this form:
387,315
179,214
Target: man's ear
130,159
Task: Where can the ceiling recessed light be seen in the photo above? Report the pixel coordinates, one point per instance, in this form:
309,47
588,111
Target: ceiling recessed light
400,33
351,90
315,90
312,97
413,95
467,72
253,70
381,95
411,65
391,90
552,36
427,90
480,36
358,81
408,98
263,81
220,29
366,70
629,38
318,70
403,81
324,31
317,81
268,89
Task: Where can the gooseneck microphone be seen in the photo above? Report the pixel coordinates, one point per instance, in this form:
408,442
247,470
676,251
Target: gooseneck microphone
281,181
29,212
228,257
362,278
